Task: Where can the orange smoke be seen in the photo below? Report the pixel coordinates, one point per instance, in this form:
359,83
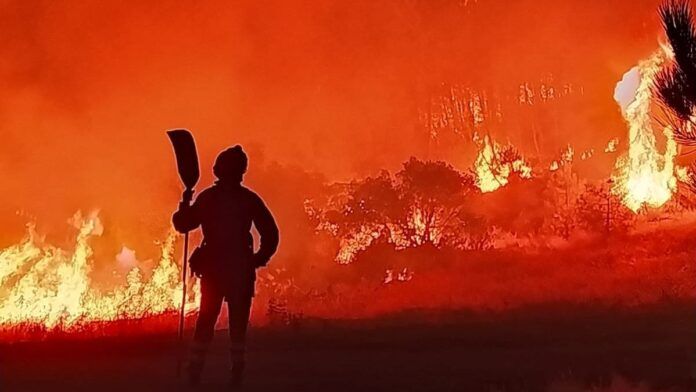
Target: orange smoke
316,94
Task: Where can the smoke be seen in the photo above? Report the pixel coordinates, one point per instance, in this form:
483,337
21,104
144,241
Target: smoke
625,91
331,87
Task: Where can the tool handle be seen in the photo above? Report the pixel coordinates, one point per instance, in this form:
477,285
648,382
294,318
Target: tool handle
182,310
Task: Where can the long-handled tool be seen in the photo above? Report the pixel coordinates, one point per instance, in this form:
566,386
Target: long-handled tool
187,165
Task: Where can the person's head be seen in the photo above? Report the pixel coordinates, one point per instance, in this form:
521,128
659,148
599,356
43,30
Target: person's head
231,164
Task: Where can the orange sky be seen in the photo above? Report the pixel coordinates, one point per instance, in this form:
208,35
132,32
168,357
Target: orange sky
332,86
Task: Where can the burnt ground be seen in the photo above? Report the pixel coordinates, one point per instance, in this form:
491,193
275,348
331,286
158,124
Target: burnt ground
552,348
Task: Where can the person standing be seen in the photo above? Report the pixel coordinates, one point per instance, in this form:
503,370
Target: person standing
225,261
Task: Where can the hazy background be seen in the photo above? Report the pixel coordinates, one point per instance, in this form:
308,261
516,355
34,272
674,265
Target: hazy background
331,87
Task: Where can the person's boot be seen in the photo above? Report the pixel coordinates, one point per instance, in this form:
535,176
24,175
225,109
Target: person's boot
237,365
193,371
236,374
194,367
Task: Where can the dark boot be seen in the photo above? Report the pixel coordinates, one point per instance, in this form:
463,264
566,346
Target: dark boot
194,374
194,367
236,374
237,366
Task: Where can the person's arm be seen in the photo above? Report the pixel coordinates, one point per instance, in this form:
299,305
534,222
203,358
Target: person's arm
268,233
187,217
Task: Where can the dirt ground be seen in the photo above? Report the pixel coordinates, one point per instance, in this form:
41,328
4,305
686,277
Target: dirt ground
551,348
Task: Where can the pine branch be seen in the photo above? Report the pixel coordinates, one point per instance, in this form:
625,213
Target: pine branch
675,85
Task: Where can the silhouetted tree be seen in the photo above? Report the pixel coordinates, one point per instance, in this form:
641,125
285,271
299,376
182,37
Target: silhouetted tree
676,84
432,195
423,203
600,210
560,196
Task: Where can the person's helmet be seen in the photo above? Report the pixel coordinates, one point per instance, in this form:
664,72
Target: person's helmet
231,164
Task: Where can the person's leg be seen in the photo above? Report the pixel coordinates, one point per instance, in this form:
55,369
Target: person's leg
239,308
211,300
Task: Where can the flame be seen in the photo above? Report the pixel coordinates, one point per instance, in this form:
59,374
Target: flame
45,286
351,245
415,232
491,173
644,176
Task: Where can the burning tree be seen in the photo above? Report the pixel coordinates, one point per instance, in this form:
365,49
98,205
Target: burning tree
643,175
423,204
433,196
453,113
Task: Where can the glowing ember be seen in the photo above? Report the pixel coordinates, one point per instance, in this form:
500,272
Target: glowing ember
587,154
568,154
566,158
48,287
611,146
494,164
683,174
392,276
643,176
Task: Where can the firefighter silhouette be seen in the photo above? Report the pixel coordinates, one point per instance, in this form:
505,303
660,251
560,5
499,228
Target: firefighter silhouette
225,261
